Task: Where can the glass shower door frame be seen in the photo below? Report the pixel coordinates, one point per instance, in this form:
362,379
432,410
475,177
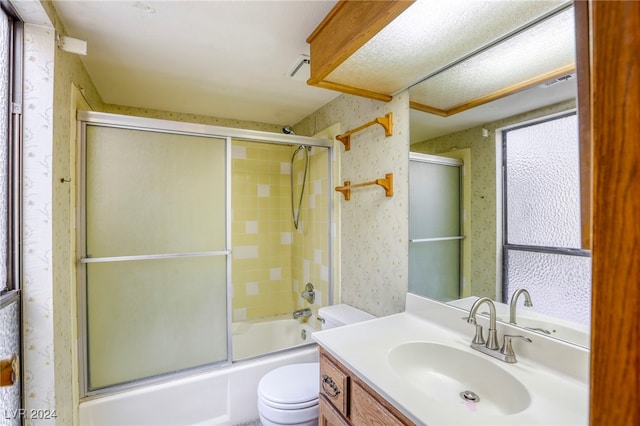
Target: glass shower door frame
165,126
450,162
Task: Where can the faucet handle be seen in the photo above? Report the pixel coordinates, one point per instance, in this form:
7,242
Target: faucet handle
478,338
507,348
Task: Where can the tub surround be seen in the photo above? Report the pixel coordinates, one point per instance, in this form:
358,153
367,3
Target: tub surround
554,373
223,396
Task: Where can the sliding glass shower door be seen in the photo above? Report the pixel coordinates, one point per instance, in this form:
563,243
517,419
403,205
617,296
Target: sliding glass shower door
155,254
435,231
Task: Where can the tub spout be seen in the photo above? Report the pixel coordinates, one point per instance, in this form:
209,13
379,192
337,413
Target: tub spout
302,313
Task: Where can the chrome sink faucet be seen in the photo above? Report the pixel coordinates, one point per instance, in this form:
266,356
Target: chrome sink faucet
514,302
491,347
492,342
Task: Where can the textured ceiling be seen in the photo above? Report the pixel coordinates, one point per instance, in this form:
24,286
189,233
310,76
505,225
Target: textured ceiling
432,34
228,59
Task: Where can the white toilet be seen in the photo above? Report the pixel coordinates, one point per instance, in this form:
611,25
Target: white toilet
288,395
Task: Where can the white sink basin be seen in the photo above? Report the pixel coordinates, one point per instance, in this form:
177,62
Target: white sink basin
456,377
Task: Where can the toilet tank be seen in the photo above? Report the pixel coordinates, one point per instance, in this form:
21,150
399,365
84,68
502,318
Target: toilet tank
338,315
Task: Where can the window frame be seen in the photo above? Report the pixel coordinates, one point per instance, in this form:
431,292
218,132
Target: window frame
11,288
506,246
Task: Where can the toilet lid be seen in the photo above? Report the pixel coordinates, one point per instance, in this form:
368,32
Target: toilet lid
296,384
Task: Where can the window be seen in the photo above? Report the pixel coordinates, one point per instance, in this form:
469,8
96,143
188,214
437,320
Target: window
541,218
10,127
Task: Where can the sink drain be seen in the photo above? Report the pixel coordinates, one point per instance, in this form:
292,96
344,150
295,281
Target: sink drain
470,396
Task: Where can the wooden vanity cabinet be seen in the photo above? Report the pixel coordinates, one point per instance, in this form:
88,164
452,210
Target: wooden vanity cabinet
346,400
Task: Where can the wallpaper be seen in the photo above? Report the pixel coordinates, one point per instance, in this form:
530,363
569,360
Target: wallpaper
373,228
38,316
483,191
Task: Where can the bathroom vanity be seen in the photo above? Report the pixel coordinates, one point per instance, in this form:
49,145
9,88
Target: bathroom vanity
418,367
345,399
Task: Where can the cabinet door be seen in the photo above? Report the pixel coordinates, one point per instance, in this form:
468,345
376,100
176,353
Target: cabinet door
367,411
334,385
329,416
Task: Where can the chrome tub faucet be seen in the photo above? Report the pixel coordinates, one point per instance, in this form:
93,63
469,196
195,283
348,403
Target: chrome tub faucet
302,313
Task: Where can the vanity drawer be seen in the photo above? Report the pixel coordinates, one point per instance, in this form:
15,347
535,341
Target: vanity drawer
367,409
334,385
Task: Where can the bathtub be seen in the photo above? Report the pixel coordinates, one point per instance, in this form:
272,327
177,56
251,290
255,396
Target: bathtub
222,396
257,337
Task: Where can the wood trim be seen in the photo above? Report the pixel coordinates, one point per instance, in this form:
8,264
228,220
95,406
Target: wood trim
615,116
349,89
583,63
427,109
495,95
347,27
513,89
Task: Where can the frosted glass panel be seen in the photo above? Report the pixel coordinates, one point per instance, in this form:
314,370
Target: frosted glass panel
10,345
543,184
434,212
434,191
153,193
151,317
435,269
560,285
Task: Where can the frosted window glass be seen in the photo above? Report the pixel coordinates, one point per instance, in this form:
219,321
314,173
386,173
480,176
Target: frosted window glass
543,184
434,269
153,193
5,62
434,191
560,285
9,345
151,317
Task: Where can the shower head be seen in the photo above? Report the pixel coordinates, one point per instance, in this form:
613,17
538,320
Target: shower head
287,130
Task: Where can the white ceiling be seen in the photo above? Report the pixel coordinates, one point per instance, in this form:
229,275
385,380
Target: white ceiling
218,58
229,59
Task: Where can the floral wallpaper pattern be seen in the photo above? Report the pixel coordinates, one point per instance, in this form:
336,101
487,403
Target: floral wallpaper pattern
374,228
38,318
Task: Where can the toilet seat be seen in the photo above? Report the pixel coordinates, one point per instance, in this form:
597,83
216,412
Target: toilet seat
291,387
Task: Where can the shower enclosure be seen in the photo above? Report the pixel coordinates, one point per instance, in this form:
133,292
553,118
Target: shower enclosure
186,240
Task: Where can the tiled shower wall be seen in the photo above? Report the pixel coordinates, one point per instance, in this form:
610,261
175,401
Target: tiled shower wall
311,239
272,261
261,230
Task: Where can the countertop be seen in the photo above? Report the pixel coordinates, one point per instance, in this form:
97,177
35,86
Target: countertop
559,396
